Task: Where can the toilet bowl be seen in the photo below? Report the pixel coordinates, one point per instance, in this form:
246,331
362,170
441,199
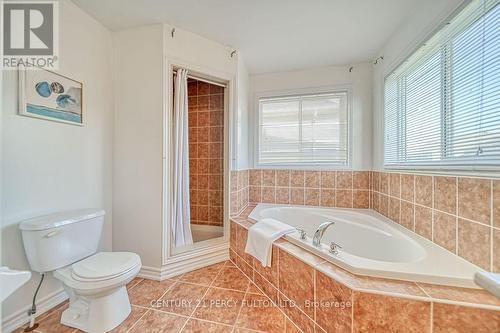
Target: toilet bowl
66,245
96,287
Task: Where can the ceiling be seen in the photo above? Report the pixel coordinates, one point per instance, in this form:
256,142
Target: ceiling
272,35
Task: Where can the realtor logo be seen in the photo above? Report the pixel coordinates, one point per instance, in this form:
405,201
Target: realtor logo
29,34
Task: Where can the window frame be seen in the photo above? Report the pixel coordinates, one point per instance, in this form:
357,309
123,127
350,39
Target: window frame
294,93
474,167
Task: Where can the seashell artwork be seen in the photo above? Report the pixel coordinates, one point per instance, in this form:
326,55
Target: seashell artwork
65,101
43,89
48,95
56,88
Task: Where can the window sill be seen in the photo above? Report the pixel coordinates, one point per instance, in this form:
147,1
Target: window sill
452,170
318,166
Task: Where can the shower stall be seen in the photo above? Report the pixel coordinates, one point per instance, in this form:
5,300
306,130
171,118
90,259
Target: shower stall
206,158
197,164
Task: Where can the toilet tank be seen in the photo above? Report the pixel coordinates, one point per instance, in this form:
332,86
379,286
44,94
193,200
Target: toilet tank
61,239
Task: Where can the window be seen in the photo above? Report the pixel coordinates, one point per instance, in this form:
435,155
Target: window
442,105
303,129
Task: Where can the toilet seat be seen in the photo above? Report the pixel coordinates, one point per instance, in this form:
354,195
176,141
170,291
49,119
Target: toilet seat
97,290
104,266
96,279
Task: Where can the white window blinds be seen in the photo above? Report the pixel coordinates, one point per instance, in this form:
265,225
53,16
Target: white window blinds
442,105
304,129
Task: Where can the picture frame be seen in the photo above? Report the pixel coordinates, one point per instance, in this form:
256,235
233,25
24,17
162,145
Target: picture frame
50,96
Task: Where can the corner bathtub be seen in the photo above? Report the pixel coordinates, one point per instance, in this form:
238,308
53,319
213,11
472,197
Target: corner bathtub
372,245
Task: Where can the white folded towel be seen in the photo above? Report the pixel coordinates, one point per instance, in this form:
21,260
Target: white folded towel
261,237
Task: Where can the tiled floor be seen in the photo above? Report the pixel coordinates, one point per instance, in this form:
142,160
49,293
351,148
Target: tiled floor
217,298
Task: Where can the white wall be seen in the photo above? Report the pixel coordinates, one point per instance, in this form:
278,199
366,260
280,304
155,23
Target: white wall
327,77
138,142
1,183
241,128
49,166
207,57
140,58
415,29
191,49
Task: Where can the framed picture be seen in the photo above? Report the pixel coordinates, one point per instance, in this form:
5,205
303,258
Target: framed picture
47,95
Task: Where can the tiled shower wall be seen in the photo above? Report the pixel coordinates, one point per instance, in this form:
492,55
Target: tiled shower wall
461,214
206,134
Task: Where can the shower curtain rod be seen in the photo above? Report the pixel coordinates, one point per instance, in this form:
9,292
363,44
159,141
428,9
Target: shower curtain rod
202,79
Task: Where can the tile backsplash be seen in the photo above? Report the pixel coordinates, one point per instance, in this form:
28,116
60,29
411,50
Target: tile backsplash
347,189
239,191
460,214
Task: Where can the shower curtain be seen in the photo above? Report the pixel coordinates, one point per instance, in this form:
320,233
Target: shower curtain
181,226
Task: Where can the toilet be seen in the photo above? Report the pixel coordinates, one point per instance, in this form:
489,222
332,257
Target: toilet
66,243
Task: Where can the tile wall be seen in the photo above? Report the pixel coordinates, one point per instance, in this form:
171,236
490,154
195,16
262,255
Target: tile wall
461,214
239,191
206,148
346,189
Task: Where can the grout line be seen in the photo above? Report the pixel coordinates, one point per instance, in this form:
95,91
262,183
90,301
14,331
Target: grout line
277,268
491,249
297,308
433,180
314,295
287,320
209,321
352,310
465,304
457,213
265,295
239,310
203,297
205,286
135,323
444,212
183,316
492,253
431,317
395,294
423,289
352,189
135,284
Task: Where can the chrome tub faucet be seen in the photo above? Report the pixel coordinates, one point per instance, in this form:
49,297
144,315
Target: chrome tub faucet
318,235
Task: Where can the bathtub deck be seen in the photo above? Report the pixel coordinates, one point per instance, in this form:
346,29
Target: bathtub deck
376,302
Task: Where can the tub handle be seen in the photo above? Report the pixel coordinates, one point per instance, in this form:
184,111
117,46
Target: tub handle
302,233
334,248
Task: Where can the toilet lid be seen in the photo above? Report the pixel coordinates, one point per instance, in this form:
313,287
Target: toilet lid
105,265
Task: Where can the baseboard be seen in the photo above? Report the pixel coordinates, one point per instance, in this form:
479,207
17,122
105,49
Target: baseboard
177,267
20,317
184,264
148,272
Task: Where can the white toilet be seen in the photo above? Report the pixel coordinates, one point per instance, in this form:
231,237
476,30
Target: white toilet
66,243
